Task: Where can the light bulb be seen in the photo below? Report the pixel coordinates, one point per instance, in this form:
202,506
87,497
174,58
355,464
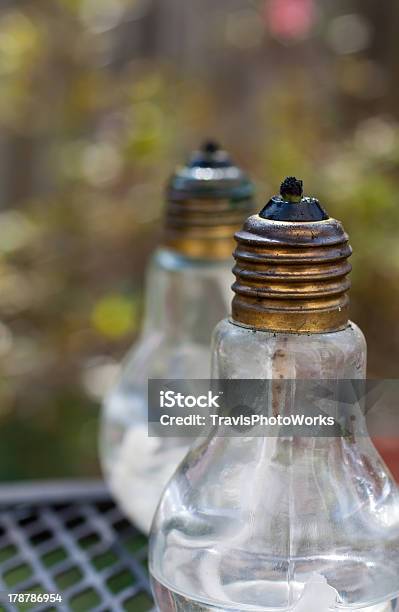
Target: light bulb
289,523
188,292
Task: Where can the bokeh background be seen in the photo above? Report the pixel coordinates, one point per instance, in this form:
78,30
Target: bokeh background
99,100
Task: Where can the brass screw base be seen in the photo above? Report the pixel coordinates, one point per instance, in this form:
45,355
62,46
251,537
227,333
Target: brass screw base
204,229
312,321
291,276
201,248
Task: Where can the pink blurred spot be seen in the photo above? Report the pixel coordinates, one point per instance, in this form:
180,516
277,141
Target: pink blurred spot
290,19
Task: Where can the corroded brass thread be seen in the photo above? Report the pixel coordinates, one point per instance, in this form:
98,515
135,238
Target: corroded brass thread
207,201
291,276
204,228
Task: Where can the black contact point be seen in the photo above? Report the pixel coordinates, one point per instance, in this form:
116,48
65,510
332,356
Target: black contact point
291,206
291,189
210,147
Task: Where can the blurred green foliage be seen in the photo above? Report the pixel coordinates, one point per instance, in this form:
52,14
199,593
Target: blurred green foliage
100,100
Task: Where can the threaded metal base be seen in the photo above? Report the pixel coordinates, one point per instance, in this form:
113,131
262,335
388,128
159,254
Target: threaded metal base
292,276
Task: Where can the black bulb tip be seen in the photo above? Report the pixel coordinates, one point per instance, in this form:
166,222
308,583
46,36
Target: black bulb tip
291,187
210,146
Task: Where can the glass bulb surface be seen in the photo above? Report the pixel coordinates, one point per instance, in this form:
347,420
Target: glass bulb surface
246,522
185,299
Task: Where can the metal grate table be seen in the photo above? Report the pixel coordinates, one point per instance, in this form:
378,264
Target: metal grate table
69,538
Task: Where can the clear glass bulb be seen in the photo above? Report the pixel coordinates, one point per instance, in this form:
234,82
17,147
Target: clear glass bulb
273,523
185,299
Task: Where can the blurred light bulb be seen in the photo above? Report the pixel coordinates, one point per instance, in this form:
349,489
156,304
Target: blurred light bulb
188,291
